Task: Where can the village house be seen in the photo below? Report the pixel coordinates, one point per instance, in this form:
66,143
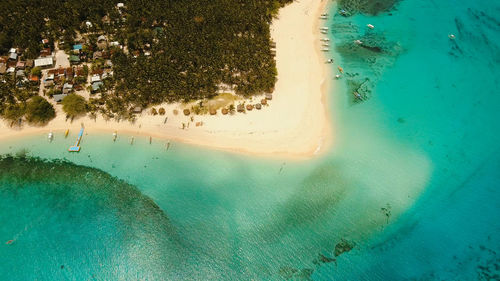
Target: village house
59,97
46,62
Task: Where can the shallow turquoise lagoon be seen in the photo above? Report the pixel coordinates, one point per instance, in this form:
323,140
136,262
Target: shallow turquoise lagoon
410,192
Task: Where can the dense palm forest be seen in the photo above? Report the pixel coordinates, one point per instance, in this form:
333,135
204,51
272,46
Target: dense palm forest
174,50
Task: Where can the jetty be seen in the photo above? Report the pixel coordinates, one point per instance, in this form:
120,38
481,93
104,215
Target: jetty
76,147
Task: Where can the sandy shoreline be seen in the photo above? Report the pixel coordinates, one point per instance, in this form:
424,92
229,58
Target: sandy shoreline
296,124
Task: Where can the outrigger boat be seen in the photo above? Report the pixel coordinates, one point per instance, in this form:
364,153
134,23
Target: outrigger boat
325,49
341,70
323,17
357,95
115,135
325,39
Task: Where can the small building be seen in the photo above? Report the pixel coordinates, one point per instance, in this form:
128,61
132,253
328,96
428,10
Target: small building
3,68
59,98
249,107
13,50
101,39
120,5
67,88
258,106
269,96
47,52
46,62
137,109
95,78
45,41
48,82
240,108
20,73
13,56
34,79
21,65
96,86
11,70
77,47
74,59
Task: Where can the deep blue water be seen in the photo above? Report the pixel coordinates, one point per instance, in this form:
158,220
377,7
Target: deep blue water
412,185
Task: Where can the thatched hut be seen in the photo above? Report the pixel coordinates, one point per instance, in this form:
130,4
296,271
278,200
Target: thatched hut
186,112
263,101
258,106
225,111
213,111
240,108
269,96
161,111
249,107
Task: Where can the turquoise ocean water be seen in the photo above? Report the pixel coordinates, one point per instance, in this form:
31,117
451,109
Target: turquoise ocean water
410,192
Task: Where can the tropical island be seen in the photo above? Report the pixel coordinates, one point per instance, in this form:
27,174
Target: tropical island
110,62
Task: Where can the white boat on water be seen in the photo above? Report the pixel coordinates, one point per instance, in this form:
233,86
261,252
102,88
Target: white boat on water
358,42
51,136
370,26
329,61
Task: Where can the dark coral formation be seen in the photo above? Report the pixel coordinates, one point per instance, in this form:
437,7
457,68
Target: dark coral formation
369,7
343,246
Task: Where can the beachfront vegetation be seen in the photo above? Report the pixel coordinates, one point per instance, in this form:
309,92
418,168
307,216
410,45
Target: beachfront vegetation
74,105
168,50
39,111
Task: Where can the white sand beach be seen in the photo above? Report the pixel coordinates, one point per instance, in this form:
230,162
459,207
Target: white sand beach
296,124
